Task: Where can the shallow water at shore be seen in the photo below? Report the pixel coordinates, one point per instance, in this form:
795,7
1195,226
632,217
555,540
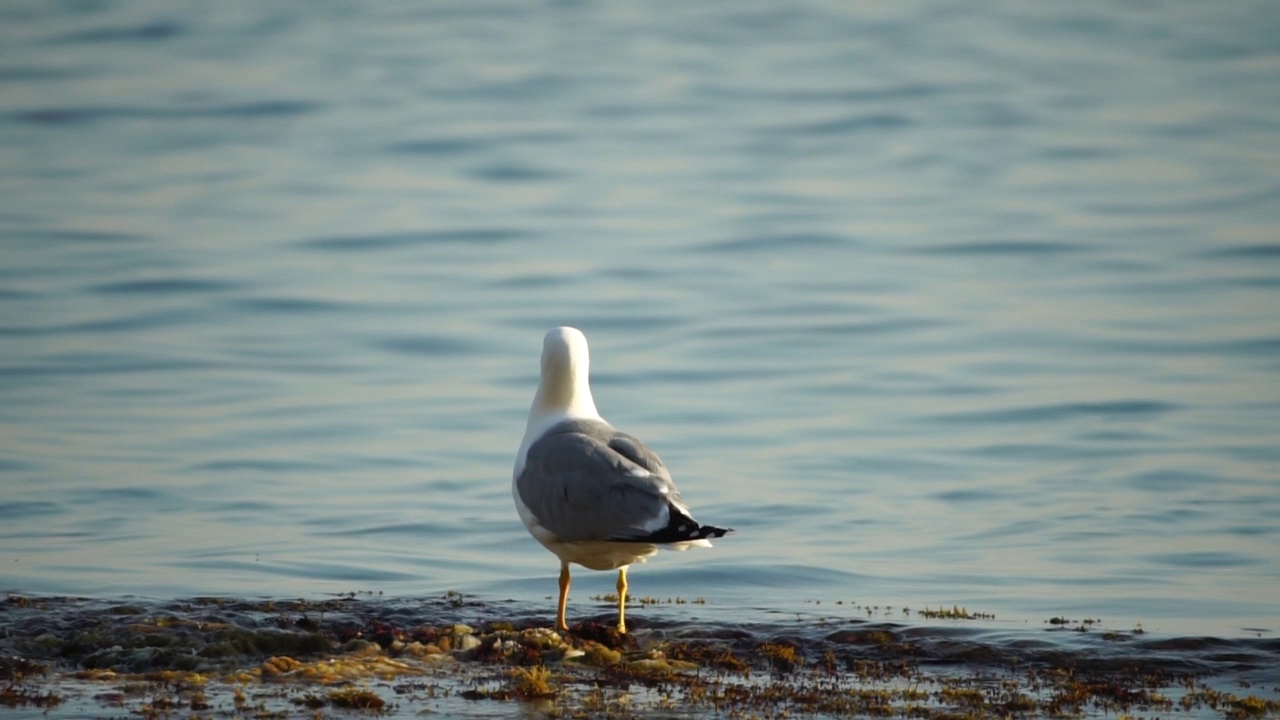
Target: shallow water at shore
455,655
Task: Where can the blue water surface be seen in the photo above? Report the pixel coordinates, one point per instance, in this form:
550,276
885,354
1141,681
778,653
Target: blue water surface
935,304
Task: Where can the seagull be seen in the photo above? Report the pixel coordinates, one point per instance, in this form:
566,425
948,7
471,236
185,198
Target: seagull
589,493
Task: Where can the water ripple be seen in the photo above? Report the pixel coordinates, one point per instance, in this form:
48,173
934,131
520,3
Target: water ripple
1206,559
72,236
123,324
438,147
23,509
147,32
257,465
1006,247
392,241
513,173
1168,479
1061,411
429,345
343,572
287,305
786,241
66,116
101,364
22,73
165,286
872,122
1246,252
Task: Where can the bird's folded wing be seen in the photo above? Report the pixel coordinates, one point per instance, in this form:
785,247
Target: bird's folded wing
580,488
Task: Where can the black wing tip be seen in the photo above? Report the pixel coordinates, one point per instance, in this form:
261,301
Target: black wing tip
682,532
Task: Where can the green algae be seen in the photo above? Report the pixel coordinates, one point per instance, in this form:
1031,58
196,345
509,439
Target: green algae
954,613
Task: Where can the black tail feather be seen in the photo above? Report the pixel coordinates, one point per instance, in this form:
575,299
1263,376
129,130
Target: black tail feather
681,528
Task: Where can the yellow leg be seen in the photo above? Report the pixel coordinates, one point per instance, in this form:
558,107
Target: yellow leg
622,599
561,625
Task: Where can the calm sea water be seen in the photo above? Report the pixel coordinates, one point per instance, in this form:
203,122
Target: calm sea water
935,304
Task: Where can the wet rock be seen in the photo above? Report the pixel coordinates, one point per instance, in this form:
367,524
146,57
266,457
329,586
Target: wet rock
597,655
540,638
466,643
360,646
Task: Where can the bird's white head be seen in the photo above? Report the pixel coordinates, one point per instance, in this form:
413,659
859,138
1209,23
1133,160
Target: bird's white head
563,393
565,390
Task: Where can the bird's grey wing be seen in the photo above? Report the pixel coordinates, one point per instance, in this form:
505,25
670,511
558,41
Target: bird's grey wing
680,525
580,488
637,452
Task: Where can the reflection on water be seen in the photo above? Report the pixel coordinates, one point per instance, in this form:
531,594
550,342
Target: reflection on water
934,305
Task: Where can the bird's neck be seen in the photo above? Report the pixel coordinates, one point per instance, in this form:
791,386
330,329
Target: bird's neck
554,403
564,395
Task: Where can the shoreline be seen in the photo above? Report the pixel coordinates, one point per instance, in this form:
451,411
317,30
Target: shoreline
451,654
